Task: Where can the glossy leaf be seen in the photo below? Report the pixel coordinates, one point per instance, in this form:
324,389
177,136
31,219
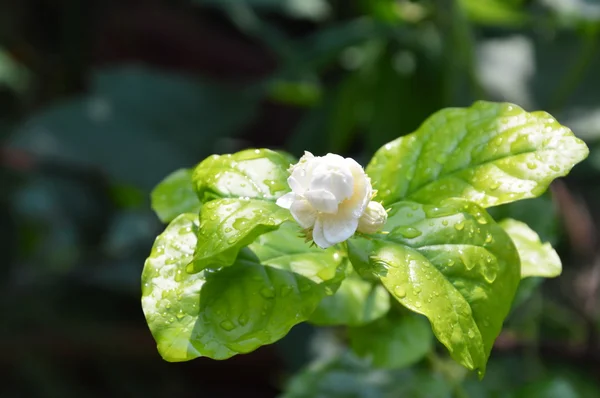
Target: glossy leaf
276,283
537,258
227,225
452,263
355,303
490,154
174,196
253,173
394,341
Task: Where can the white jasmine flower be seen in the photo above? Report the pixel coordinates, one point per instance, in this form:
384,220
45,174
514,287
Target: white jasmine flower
373,219
329,196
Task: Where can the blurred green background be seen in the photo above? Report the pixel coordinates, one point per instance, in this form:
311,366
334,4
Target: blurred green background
100,100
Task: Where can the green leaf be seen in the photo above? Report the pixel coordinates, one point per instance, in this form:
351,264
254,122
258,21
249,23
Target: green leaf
537,258
355,303
349,377
228,225
452,263
394,341
253,173
174,196
276,283
490,154
493,13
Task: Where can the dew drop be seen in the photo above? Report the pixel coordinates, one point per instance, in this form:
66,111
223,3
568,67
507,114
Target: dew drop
531,165
418,304
408,232
400,291
554,167
243,319
434,212
445,223
489,238
227,325
286,290
228,229
494,186
471,333
459,226
240,223
304,287
267,293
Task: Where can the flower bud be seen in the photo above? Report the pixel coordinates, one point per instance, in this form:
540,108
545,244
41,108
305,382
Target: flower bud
373,219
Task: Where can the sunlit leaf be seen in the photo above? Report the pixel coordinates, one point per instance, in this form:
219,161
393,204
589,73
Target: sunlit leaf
174,196
275,283
452,263
227,225
490,153
253,173
537,258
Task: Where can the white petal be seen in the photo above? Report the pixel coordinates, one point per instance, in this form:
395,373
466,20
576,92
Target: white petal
338,229
319,237
302,173
286,200
296,185
303,213
338,181
363,190
322,200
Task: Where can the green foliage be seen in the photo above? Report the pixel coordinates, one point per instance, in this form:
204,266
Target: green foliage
394,341
275,283
228,225
348,376
537,258
241,274
452,263
489,154
253,173
174,196
356,303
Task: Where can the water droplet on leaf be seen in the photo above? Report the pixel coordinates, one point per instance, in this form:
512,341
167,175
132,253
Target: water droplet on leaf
227,325
400,291
267,292
408,232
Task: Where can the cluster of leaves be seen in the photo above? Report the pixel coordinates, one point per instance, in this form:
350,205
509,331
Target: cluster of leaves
230,273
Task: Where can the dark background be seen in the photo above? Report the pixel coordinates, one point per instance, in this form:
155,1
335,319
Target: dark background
99,100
